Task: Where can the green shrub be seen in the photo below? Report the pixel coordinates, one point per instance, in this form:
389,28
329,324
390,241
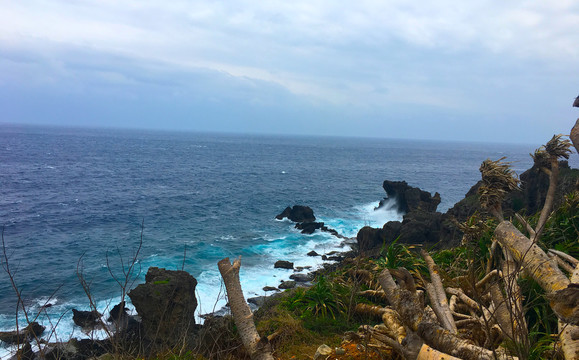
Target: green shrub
323,299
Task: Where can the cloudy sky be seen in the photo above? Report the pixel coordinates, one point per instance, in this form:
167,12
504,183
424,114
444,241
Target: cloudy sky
461,70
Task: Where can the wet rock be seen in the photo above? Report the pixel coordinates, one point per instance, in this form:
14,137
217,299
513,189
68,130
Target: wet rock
298,213
86,319
409,198
118,313
309,227
313,253
257,301
270,288
166,304
282,264
302,277
287,285
34,329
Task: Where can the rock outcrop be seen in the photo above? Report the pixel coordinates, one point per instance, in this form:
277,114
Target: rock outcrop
86,319
283,264
410,198
305,220
166,304
297,213
34,329
422,224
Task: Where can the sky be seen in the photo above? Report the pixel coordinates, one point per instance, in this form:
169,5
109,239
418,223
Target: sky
503,71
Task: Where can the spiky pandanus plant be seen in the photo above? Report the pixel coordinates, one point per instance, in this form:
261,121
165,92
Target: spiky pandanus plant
498,179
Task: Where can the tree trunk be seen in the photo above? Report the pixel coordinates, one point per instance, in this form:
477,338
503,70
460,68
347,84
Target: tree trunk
575,135
549,199
437,295
531,257
545,273
258,348
570,332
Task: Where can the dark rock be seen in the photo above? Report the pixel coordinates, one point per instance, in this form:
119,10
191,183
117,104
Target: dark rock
422,224
282,264
371,240
34,329
25,352
302,277
309,227
313,253
287,284
410,198
335,258
166,304
118,313
86,319
297,213
270,288
257,301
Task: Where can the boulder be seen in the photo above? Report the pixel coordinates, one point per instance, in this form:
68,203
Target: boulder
313,253
282,264
297,213
119,313
166,304
34,329
257,301
270,288
86,319
287,285
302,277
310,227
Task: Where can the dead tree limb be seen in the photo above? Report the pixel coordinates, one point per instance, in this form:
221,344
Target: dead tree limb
437,295
258,348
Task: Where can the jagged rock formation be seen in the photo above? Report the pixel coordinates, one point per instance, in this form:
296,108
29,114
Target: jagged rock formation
305,220
26,334
410,198
422,224
298,214
166,304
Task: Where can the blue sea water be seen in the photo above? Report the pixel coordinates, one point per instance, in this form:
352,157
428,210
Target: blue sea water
72,193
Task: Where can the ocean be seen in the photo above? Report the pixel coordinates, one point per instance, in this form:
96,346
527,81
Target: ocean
80,199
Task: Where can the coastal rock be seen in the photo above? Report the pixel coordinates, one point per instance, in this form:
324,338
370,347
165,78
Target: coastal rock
309,227
257,301
302,277
166,304
410,198
298,213
287,285
270,288
423,225
86,319
282,264
34,329
313,253
118,314
371,240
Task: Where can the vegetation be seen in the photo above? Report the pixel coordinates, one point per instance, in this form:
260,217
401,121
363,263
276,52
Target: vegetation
505,293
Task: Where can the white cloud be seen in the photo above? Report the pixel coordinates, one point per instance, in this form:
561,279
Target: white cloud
365,53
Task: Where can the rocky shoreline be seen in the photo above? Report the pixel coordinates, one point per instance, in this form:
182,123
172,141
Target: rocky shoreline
166,302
